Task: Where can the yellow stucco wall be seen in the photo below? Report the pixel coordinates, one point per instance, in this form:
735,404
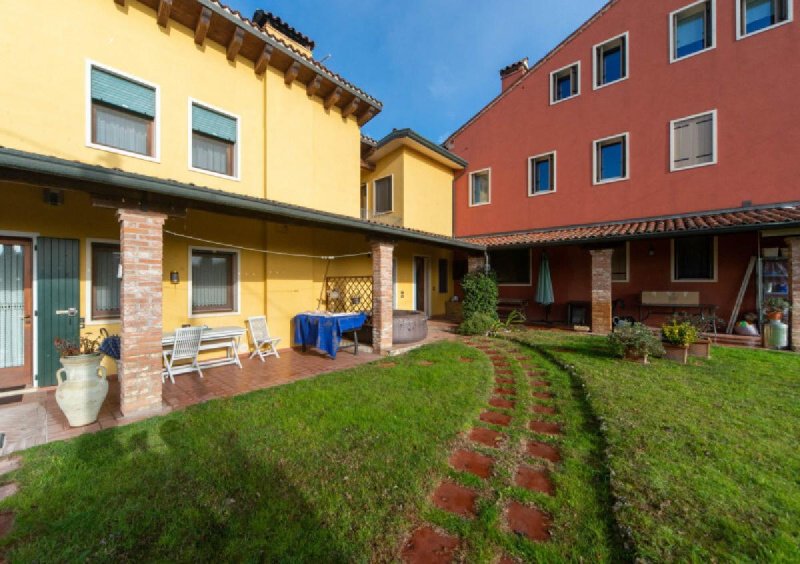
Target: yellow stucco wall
291,148
392,165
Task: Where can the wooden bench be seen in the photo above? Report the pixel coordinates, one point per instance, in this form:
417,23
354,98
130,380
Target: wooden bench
673,302
507,305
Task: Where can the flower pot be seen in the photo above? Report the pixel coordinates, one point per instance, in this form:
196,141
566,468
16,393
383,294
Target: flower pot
636,357
775,315
678,353
700,348
84,389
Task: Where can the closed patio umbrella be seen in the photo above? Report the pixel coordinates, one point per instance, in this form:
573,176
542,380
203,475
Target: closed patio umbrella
544,287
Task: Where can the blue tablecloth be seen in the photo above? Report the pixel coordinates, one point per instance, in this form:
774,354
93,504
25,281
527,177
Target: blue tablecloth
325,331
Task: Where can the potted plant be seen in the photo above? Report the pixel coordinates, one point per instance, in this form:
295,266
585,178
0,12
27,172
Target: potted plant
701,346
678,335
774,308
635,341
82,384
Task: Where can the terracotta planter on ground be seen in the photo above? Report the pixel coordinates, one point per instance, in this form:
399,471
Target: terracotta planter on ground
700,348
678,353
635,357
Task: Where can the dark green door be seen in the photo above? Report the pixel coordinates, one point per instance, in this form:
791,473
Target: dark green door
57,301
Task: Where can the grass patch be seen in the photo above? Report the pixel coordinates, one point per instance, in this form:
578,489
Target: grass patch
333,469
704,458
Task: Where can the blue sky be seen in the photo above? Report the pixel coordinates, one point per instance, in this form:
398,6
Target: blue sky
433,63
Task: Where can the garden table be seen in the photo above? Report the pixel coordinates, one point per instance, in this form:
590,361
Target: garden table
324,330
215,338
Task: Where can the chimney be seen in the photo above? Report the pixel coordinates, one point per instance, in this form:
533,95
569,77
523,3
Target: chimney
512,73
273,25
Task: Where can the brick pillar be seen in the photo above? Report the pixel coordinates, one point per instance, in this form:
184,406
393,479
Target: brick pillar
382,252
141,241
794,291
601,291
476,263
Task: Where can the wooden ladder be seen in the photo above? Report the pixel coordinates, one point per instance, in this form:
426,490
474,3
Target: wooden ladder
740,297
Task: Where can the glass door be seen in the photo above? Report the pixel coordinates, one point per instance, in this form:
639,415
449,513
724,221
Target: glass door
16,321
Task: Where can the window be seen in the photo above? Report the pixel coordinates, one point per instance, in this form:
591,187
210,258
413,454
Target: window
611,61
214,285
480,188
692,30
383,195
694,259
758,15
443,276
620,263
611,159
694,141
542,174
214,140
122,113
105,280
565,83
363,198
512,266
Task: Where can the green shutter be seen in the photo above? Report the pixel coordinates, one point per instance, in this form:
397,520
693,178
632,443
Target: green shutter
57,288
213,123
122,93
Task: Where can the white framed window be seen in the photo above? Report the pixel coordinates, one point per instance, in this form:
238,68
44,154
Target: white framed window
214,146
104,283
692,30
610,61
694,259
542,174
122,113
565,83
693,141
755,16
214,275
611,159
383,195
480,187
512,266
621,263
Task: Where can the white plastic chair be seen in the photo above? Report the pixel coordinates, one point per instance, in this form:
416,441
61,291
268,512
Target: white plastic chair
186,348
263,344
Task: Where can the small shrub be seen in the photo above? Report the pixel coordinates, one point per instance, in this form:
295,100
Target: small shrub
635,341
480,295
478,324
511,323
679,333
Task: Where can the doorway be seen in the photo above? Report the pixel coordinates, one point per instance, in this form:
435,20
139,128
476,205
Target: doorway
16,313
421,285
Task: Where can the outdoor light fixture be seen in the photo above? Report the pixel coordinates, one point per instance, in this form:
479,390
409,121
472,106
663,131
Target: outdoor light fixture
651,251
175,277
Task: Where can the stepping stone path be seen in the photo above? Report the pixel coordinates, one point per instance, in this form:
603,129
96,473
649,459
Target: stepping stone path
533,460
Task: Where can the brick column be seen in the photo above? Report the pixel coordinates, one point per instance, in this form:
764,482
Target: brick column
382,253
794,290
601,291
141,241
476,263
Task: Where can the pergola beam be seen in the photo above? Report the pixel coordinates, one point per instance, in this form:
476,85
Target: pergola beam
164,7
203,23
235,44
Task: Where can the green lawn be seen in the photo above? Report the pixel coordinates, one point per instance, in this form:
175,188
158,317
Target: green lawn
705,459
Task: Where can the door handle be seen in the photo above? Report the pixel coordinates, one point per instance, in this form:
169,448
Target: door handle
71,312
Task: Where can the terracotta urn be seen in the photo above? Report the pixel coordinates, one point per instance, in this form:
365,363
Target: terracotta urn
84,389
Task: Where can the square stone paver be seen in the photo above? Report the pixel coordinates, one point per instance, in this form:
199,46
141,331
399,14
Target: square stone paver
543,395
544,409
503,381
472,462
545,427
534,479
486,436
505,391
495,418
428,546
528,521
502,403
504,372
454,498
539,383
543,450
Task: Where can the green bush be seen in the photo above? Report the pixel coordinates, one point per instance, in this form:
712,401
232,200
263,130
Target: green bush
480,295
635,341
478,324
679,333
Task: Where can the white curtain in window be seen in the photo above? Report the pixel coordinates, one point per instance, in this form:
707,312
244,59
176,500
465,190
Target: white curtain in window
210,280
106,282
12,306
121,130
210,154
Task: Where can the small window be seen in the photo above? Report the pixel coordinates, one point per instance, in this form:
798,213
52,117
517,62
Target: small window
512,266
214,281
542,174
619,263
611,61
694,259
214,139
758,15
443,278
363,198
480,188
565,83
611,159
694,141
123,113
692,29
105,281
383,195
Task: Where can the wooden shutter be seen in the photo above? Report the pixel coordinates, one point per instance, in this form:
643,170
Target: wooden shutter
693,141
704,139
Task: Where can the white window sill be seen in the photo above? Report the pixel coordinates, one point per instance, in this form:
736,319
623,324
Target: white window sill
739,37
601,86
541,193
556,102
152,159
215,174
611,181
696,53
214,314
690,167
479,204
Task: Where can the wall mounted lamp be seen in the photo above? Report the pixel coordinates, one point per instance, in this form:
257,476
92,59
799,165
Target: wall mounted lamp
175,277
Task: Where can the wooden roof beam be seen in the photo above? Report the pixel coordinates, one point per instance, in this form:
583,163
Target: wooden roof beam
263,59
164,7
333,98
201,29
313,86
235,44
120,2
351,108
291,73
367,115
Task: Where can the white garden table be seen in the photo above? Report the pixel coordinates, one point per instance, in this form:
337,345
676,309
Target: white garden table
215,338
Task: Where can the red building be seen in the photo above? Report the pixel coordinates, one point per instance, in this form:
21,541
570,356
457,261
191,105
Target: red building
651,151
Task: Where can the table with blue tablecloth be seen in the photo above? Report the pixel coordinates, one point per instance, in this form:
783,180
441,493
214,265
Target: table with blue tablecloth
324,330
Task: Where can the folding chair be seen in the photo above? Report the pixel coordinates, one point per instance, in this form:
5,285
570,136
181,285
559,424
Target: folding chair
186,348
263,344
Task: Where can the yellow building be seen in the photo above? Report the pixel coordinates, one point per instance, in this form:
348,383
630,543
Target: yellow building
171,162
